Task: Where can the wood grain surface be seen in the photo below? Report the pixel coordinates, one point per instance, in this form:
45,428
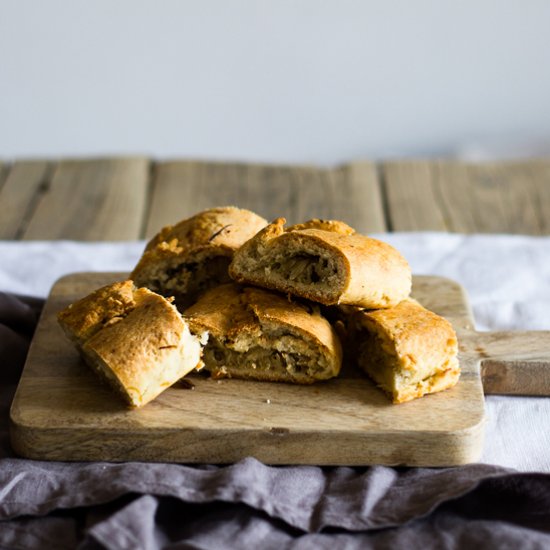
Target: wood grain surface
62,412
23,187
180,189
489,197
121,198
92,200
413,204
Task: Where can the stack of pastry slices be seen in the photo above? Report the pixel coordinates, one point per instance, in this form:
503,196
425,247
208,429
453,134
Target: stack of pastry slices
228,292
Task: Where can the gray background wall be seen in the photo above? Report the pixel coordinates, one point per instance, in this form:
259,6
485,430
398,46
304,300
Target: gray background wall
280,81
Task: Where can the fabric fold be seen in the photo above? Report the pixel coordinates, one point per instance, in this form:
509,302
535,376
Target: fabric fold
505,501
310,499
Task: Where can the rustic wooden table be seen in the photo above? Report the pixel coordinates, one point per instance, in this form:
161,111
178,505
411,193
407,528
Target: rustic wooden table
132,197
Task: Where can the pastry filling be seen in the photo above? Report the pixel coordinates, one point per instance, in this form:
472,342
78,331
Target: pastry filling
271,362
185,281
305,268
379,363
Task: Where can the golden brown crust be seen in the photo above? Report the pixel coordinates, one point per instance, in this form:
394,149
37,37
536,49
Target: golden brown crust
140,345
224,226
82,319
408,350
193,255
335,226
250,324
139,342
343,267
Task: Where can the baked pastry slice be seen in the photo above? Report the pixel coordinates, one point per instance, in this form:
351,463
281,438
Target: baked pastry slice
140,346
185,259
82,319
407,350
259,335
324,261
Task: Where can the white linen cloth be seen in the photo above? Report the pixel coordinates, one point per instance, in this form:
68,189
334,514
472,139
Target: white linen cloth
507,279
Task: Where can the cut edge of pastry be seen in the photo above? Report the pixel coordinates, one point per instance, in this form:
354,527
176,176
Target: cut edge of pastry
324,261
258,334
289,360
170,272
406,374
294,263
309,268
139,351
187,258
173,364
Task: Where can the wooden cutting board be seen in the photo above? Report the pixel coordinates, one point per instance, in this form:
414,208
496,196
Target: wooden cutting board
61,411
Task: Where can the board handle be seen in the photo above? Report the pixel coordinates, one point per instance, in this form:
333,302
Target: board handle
514,363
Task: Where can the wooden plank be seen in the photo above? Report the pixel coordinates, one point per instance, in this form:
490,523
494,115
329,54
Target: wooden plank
224,182
172,194
19,195
100,199
412,201
496,197
299,193
61,411
363,203
514,363
269,191
539,174
351,193
4,169
82,203
183,188
264,189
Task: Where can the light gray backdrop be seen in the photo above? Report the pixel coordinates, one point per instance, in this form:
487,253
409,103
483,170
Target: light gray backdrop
282,81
